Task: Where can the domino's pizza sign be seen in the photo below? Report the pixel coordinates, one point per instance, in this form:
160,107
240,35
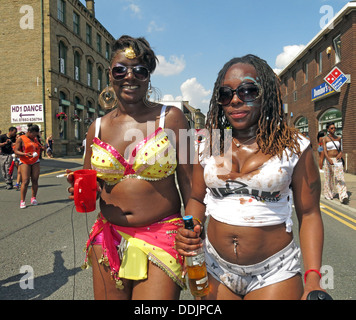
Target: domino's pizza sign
336,78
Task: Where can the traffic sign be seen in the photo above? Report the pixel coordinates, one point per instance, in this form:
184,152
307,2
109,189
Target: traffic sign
336,78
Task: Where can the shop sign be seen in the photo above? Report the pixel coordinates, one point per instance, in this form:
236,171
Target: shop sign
336,78
26,113
321,91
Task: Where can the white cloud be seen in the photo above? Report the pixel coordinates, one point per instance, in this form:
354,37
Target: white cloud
193,92
288,54
152,27
169,97
173,66
133,7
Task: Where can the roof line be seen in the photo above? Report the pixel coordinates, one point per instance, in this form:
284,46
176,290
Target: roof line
335,20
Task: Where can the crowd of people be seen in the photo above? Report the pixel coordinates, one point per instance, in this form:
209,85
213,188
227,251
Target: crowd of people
244,179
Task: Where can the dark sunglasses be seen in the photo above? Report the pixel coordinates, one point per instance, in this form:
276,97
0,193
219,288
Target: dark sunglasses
246,92
119,72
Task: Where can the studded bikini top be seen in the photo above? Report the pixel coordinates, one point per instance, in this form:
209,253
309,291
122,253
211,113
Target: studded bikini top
152,159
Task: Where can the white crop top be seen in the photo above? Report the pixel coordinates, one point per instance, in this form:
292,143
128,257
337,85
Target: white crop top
260,198
332,145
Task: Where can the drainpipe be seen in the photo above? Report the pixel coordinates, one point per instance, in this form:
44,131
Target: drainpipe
43,72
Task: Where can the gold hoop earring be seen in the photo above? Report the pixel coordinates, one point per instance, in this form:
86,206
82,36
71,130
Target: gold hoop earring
107,98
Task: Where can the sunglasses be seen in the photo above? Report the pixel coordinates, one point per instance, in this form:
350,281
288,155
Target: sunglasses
246,92
119,72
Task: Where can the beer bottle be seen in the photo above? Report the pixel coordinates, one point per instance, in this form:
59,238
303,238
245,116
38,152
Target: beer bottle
196,267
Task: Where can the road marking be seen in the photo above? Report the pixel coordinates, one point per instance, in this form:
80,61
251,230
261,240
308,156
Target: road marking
49,173
324,209
43,174
340,214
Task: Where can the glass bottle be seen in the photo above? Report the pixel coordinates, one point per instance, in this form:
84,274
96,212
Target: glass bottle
196,267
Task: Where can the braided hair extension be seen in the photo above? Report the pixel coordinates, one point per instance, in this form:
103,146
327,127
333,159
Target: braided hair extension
273,135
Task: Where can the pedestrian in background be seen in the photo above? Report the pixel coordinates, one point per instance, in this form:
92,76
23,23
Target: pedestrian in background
334,166
6,143
49,146
28,149
84,145
17,163
320,139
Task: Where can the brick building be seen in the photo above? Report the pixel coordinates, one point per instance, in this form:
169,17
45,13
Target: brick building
309,102
54,58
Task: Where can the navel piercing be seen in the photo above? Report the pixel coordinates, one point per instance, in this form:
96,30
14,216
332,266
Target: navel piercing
236,242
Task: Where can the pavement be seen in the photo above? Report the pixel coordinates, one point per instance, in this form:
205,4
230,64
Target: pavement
51,165
350,180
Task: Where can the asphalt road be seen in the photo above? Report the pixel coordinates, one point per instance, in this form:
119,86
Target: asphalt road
47,242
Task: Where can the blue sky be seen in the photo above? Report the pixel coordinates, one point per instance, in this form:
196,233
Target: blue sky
194,38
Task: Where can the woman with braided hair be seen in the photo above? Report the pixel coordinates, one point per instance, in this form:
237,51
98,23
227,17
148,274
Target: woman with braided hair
244,180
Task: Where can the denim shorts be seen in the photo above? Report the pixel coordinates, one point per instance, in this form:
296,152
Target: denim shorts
243,279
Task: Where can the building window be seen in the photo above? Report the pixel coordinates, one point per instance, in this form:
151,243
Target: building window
294,76
302,125
78,115
88,34
107,51
90,114
320,62
63,107
337,47
331,115
61,11
107,79
100,78
62,53
305,69
98,42
89,73
295,98
77,66
76,23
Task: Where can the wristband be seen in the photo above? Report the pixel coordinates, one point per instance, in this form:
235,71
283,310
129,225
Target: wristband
196,219
311,270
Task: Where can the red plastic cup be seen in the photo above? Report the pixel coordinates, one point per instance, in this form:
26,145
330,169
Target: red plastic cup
85,190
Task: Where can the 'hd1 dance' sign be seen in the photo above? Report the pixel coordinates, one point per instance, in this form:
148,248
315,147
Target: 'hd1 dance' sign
26,113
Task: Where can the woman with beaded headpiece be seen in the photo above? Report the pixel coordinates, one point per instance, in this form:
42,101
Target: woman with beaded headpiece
135,150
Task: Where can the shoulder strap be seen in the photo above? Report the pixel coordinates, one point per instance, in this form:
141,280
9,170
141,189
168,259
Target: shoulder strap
162,117
338,149
97,127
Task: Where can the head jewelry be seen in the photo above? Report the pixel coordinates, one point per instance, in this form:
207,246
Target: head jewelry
129,53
